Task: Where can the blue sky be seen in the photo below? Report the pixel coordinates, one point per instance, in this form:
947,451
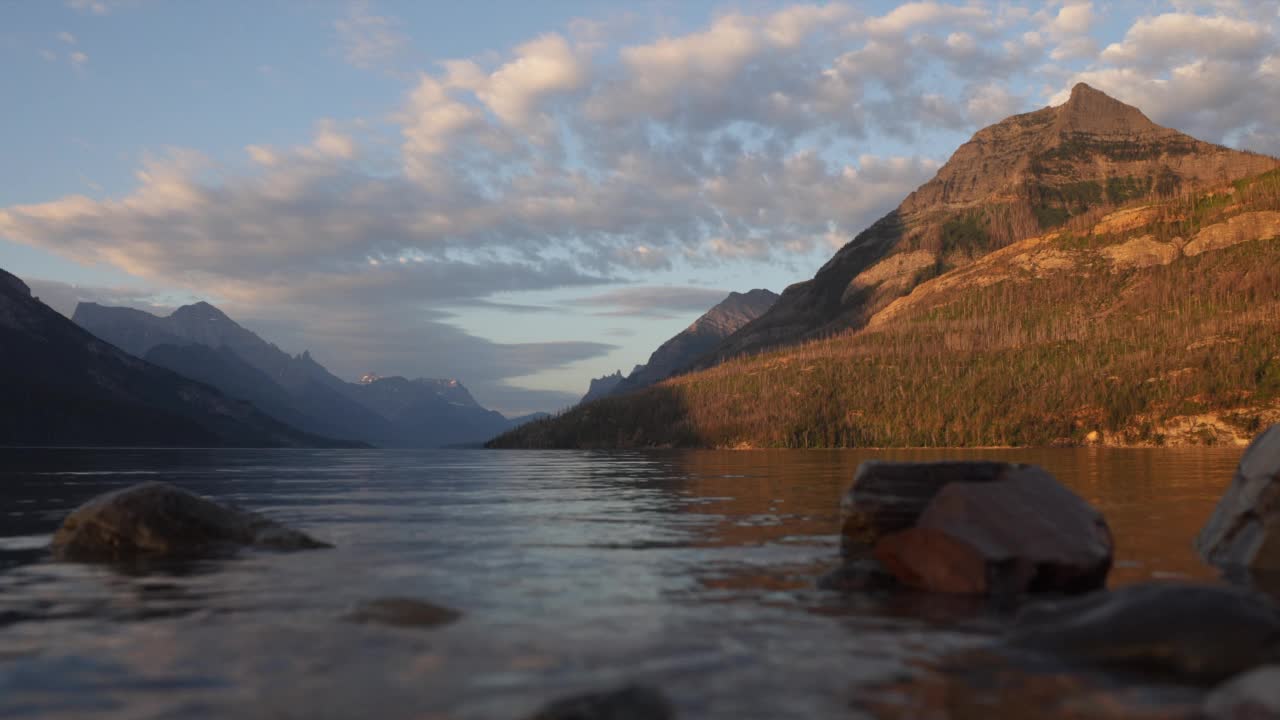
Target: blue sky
527,195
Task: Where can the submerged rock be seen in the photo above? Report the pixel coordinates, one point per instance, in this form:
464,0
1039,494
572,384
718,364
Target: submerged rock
887,497
159,520
1025,532
403,612
1252,696
1197,633
636,702
1244,530
858,575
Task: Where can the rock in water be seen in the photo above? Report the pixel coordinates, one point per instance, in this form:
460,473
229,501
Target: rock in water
1244,530
889,496
1198,633
403,612
1025,532
636,702
159,520
1254,695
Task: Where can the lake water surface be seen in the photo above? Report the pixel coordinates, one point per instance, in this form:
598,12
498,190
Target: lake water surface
575,571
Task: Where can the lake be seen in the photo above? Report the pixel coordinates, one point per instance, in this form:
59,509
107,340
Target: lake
693,571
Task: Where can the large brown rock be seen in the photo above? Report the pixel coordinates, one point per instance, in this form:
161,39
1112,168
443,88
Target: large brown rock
1025,532
1191,632
1244,530
887,497
159,520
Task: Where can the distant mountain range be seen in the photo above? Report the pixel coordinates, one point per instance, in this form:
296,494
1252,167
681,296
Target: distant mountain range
1072,275
59,385
201,342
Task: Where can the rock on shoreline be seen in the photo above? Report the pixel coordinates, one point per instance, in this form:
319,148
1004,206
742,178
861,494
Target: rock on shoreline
1244,531
159,520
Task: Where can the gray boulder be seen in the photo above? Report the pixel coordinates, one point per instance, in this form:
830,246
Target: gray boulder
159,520
1024,532
1244,530
1197,633
890,496
1252,696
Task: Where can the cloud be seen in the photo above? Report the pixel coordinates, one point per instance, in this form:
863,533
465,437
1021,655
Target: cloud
368,40
66,38
601,152
78,59
652,301
1165,40
915,14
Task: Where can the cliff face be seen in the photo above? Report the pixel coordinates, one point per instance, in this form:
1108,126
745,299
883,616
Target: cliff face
1019,178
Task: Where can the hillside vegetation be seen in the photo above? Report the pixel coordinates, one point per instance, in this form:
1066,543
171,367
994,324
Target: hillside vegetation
1134,322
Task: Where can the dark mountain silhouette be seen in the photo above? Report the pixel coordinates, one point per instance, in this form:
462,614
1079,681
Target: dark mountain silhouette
59,385
703,336
202,342
602,386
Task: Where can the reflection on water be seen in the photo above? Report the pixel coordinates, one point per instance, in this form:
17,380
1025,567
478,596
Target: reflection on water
693,571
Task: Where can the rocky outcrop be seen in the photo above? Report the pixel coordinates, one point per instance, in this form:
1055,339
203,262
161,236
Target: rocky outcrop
601,387
1239,229
1244,530
636,702
1140,252
157,520
1025,532
1195,633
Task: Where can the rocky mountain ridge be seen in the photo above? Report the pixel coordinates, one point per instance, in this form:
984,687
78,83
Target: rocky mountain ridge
1016,179
1144,316
59,385
202,342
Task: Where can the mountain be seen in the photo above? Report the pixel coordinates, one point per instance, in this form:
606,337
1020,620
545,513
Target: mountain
703,336
292,388
202,342
1134,303
602,386
429,412
59,385
1029,174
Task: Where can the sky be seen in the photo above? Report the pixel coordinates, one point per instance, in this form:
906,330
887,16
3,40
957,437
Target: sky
524,196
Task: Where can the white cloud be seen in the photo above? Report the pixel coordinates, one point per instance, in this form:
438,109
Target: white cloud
78,59
369,40
1164,40
915,14
1073,19
66,37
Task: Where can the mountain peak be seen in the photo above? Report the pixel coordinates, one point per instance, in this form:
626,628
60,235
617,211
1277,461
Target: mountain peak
1090,110
199,311
10,284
